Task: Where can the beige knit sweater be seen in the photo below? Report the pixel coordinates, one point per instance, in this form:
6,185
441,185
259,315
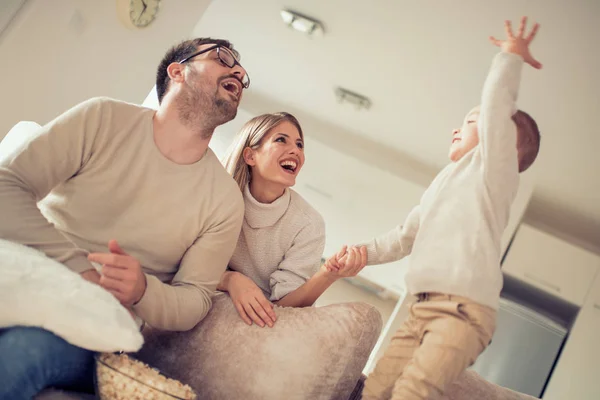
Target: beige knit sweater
281,243
454,235
98,175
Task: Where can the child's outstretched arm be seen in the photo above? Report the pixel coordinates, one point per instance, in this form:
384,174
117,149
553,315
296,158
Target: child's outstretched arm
497,131
395,244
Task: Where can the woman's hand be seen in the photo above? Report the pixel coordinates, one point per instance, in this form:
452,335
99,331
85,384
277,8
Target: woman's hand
250,301
348,262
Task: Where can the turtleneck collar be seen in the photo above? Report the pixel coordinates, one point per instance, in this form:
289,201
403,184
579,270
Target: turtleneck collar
261,215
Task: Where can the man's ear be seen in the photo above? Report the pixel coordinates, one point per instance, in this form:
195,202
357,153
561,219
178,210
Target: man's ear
175,72
248,155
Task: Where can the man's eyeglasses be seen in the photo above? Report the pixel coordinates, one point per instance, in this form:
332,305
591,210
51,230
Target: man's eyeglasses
226,57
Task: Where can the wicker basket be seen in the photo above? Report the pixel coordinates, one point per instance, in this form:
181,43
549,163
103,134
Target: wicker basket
119,377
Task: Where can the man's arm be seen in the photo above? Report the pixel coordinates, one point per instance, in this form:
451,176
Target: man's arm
397,243
30,171
180,305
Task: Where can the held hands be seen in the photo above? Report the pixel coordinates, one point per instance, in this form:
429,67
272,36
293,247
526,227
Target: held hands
348,262
518,44
121,274
250,301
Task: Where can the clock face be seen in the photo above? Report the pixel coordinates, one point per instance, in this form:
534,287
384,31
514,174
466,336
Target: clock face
143,12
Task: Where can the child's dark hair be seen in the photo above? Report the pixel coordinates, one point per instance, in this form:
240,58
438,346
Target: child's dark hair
528,139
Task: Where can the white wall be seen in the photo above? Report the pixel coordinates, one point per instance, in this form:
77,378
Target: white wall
56,53
8,9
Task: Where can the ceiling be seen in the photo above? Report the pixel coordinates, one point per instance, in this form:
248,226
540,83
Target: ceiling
423,64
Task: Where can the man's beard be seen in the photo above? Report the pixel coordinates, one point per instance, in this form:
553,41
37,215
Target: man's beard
201,111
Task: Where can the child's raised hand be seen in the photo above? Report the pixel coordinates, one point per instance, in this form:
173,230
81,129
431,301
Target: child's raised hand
518,44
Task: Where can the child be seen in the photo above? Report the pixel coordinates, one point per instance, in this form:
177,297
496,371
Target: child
454,237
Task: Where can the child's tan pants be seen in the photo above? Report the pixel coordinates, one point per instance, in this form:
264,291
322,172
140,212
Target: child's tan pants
443,335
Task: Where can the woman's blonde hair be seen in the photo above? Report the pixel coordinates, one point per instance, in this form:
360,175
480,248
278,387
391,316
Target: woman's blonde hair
251,135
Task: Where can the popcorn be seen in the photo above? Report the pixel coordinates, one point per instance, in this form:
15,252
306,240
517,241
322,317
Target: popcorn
120,377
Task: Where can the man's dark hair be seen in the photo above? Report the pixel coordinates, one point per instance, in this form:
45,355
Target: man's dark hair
178,53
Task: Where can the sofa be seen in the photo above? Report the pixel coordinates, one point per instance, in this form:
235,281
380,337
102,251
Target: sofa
311,353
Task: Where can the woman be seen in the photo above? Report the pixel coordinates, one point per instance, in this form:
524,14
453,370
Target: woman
278,255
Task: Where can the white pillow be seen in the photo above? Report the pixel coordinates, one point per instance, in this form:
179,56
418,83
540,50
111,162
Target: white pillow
18,135
38,291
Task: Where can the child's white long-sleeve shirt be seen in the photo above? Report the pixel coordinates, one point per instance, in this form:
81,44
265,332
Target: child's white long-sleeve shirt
454,234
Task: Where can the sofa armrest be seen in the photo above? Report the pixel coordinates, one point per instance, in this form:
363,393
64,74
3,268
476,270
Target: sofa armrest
311,353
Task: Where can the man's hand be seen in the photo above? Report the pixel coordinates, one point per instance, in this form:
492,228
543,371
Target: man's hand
121,274
91,275
518,44
250,301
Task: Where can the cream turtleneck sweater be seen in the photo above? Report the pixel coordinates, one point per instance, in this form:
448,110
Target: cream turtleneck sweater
281,243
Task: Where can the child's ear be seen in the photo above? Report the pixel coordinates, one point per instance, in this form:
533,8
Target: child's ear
248,154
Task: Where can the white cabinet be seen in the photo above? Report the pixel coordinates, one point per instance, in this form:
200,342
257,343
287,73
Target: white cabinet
577,373
551,264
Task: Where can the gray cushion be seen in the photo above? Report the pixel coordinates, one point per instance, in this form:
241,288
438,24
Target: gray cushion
311,353
469,386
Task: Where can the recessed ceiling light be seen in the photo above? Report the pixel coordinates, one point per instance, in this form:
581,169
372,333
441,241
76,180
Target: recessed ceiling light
307,25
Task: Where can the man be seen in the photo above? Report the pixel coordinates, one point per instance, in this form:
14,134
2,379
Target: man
135,191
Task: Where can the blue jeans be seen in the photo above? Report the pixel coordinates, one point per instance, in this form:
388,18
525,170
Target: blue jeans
32,359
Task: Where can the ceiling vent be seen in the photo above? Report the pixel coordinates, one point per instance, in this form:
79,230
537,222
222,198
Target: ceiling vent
347,96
